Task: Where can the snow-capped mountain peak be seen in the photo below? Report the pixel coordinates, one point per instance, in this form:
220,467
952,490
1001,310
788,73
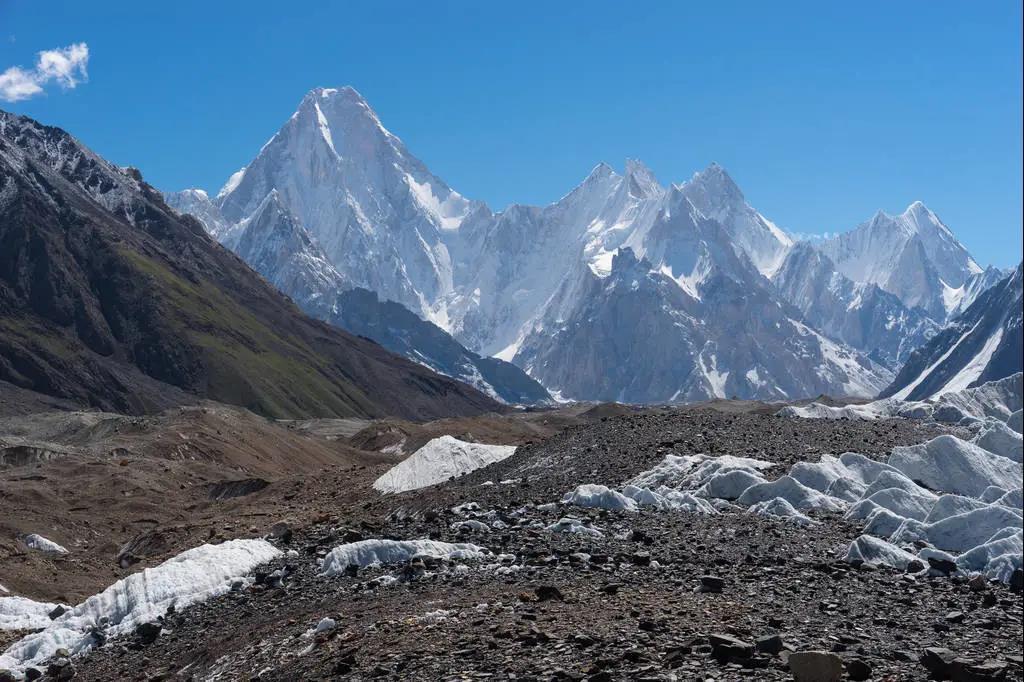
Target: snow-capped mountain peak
196,202
531,282
642,182
719,198
714,189
360,193
982,344
913,255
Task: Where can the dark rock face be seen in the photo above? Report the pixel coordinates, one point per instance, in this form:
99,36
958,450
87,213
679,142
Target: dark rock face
401,331
987,333
110,299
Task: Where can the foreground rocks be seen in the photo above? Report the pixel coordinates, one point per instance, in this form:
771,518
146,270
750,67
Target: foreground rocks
656,595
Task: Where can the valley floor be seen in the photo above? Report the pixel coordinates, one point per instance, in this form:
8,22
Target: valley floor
541,604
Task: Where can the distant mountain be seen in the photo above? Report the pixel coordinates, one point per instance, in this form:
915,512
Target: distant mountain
716,196
983,344
273,242
399,330
914,256
725,339
110,299
376,211
859,314
522,284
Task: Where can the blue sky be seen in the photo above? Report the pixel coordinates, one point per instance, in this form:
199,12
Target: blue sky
822,112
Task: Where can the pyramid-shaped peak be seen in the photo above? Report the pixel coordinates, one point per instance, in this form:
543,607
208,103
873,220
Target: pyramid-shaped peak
601,170
913,220
642,181
917,210
344,93
713,193
638,167
715,181
343,104
880,216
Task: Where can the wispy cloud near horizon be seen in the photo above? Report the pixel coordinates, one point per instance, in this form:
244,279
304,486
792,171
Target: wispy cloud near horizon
67,66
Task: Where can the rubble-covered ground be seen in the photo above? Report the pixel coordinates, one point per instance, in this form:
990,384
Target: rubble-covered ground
631,595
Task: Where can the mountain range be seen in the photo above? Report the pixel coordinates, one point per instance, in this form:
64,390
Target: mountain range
110,299
623,289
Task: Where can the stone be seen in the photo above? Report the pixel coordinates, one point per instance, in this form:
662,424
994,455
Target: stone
858,669
148,632
58,611
641,558
711,583
325,625
978,583
1017,580
938,661
769,644
548,593
61,669
943,566
955,617
815,666
282,531
726,648
978,672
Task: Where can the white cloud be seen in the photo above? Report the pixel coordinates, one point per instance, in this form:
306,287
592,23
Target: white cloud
16,84
65,65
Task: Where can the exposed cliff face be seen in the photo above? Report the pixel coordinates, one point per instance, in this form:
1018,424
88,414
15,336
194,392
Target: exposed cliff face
400,331
113,300
983,344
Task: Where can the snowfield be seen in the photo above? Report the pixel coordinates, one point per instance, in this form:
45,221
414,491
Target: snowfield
438,461
190,577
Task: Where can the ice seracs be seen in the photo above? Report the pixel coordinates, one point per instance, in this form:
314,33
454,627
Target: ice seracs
192,576
373,552
946,498
953,465
19,613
